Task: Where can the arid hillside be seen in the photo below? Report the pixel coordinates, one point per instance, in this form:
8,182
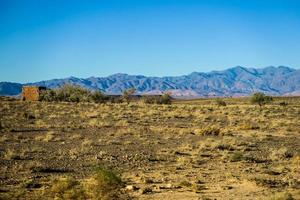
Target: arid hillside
187,150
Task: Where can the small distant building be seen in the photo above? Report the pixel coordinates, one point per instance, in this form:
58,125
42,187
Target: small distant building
32,93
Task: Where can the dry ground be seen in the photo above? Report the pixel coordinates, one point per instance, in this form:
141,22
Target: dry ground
187,150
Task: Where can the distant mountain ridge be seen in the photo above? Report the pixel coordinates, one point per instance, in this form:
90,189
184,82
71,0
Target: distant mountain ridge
236,81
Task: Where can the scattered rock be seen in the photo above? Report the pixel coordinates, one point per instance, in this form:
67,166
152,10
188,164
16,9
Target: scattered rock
131,188
227,187
147,180
167,186
146,190
272,172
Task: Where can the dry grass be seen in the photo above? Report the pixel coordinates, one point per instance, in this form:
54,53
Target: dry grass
188,150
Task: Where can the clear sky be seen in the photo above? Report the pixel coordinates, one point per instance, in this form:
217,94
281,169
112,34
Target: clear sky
45,39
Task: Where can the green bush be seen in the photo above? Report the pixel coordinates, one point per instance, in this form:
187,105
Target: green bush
149,99
236,157
48,95
260,99
220,102
104,184
127,94
73,93
164,99
66,188
99,97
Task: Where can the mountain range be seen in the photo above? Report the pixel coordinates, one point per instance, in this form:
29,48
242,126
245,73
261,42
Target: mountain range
236,81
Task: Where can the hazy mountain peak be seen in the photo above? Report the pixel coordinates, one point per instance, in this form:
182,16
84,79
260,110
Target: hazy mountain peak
238,68
119,75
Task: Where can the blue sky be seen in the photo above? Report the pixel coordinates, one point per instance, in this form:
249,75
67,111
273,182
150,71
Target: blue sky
45,39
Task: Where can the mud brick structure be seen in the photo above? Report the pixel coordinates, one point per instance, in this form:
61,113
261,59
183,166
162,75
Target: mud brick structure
31,93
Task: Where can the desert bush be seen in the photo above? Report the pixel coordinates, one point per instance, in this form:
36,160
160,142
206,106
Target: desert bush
208,131
260,99
66,188
163,99
283,103
48,95
280,153
282,196
127,94
73,93
99,97
104,184
236,157
149,99
220,102
69,93
247,125
11,154
185,183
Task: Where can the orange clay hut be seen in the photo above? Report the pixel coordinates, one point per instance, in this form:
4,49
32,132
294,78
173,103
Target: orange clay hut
31,93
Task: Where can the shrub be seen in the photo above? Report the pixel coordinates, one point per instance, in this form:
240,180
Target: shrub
66,188
104,184
185,183
48,95
156,99
99,97
220,102
127,93
261,99
165,99
249,126
73,93
236,157
282,196
283,103
211,130
11,155
149,99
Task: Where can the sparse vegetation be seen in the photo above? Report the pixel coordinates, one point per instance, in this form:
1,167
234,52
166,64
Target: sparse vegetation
183,150
260,99
127,94
282,196
73,93
104,184
208,131
66,188
163,99
220,102
236,157
283,103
